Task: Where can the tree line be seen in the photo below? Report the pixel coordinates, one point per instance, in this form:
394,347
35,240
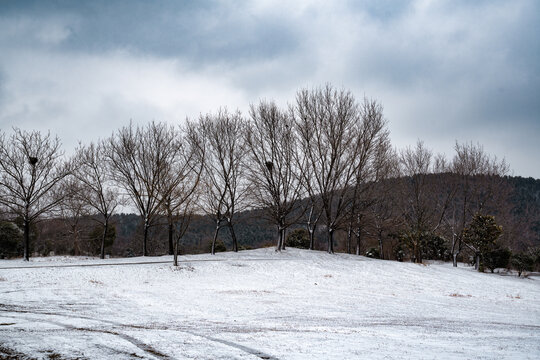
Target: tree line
324,163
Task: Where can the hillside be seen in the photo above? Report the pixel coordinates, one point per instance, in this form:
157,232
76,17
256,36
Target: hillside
518,211
262,304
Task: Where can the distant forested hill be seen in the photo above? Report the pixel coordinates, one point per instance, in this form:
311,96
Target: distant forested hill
520,216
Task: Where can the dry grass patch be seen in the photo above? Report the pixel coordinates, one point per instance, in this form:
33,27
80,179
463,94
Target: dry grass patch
460,295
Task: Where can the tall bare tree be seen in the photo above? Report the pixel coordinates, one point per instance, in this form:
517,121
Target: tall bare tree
31,172
423,204
182,218
94,176
140,158
223,175
373,147
477,176
73,209
329,123
179,186
273,172
382,216
313,213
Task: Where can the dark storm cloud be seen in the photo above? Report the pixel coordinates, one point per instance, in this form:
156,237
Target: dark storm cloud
444,70
201,31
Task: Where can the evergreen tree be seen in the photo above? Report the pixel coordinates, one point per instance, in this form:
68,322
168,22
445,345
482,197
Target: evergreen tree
481,236
10,239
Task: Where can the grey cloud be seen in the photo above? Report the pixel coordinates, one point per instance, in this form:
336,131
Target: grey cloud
202,32
444,70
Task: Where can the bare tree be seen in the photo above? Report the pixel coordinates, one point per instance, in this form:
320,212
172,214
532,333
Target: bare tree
179,187
423,204
313,215
181,220
329,124
381,213
223,174
273,174
95,179
373,145
140,158
477,177
73,209
31,172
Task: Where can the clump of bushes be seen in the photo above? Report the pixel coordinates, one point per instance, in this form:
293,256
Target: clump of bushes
522,262
496,258
298,238
373,253
10,240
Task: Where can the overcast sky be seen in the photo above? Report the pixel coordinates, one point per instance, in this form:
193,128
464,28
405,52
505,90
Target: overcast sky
444,70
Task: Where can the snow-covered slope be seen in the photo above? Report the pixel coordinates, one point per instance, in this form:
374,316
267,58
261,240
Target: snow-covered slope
262,304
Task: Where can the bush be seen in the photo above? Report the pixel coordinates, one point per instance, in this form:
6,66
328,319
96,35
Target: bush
497,258
11,241
522,262
298,238
434,247
373,253
219,247
399,252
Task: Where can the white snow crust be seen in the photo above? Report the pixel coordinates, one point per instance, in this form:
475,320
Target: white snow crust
256,304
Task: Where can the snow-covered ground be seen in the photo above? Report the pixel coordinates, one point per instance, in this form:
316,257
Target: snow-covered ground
261,304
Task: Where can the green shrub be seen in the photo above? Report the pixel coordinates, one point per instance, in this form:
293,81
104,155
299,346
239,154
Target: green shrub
497,258
11,241
434,247
298,238
219,247
522,262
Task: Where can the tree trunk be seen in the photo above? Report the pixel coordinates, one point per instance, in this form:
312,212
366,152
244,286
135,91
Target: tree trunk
175,262
311,239
280,239
233,236
284,238
381,255
418,254
330,240
105,227
213,251
26,239
349,238
477,262
358,241
171,233
145,238
456,249
311,230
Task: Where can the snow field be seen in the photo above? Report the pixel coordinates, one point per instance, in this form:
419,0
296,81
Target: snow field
261,304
